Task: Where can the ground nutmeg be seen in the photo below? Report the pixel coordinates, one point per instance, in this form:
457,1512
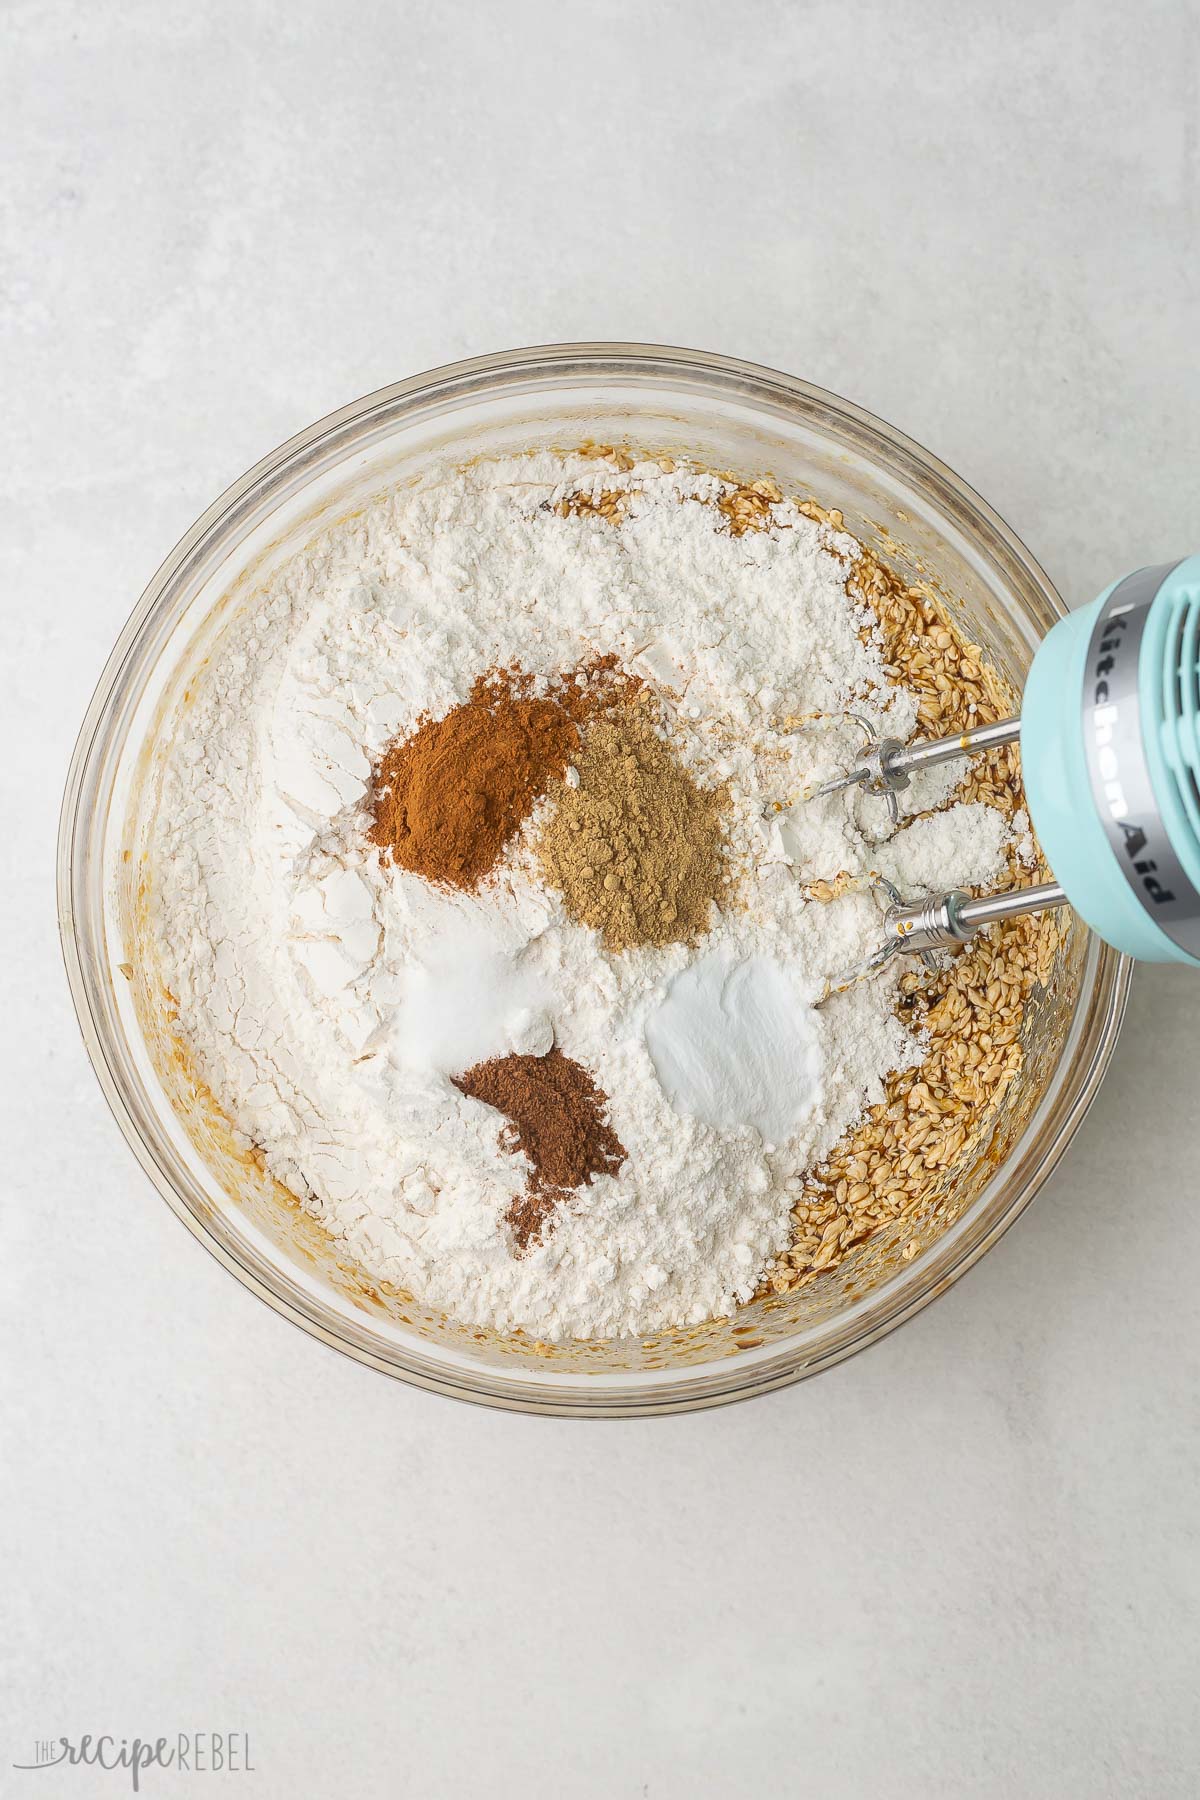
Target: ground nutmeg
555,1116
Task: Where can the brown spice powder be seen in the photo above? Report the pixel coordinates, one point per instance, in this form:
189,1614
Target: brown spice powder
636,848
449,799
555,1116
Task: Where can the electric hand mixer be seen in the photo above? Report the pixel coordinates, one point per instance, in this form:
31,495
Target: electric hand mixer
1110,754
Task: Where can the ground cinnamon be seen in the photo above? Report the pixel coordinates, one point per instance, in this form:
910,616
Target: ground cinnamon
449,799
555,1116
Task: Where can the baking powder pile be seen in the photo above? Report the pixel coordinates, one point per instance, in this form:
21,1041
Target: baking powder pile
335,1001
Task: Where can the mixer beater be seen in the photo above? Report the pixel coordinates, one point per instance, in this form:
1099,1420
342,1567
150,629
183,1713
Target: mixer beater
1110,751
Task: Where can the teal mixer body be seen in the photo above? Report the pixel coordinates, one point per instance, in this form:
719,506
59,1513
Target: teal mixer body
1110,756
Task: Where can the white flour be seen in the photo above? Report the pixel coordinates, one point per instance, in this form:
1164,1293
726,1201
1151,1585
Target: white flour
328,998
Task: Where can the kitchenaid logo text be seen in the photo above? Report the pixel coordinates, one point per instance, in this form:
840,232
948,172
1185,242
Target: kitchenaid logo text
195,1753
1106,716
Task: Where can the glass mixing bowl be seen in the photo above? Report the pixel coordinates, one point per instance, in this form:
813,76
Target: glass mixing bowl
727,415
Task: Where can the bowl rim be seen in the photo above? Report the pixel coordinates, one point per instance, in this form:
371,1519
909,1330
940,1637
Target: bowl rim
710,1384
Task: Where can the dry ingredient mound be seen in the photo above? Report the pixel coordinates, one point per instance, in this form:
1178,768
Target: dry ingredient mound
555,1116
449,799
634,847
343,895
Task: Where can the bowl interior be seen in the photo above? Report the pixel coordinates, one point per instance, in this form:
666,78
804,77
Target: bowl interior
725,416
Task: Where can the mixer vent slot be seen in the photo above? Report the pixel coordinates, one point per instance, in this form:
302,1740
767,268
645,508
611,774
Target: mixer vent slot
1181,692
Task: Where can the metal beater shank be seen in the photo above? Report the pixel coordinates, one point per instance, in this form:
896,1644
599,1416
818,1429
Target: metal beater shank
888,764
942,922
946,920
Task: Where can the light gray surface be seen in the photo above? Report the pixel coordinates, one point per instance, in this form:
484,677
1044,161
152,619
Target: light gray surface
964,1564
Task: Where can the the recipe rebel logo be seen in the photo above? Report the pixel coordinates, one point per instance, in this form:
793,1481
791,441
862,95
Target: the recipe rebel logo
188,1752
